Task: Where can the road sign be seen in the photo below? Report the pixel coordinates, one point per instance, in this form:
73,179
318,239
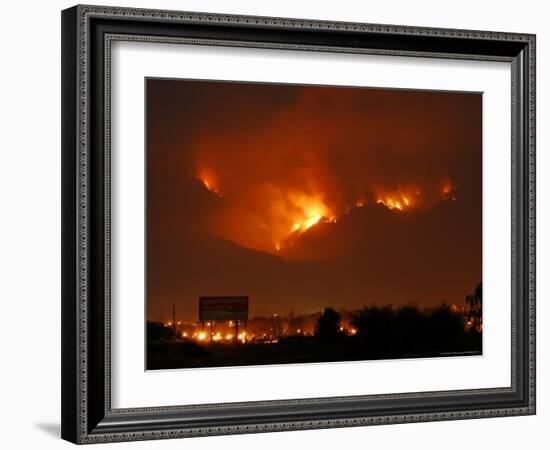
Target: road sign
223,308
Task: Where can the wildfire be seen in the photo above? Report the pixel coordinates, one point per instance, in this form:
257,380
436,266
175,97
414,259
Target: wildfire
310,209
208,179
448,190
307,223
210,187
399,202
283,214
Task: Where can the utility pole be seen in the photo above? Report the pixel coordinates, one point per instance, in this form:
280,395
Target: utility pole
174,319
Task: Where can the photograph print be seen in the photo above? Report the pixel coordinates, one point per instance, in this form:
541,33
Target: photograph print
291,224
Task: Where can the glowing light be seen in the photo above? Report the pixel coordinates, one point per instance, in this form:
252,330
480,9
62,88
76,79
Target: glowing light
391,203
312,220
308,210
352,331
208,185
228,337
217,337
184,334
201,336
208,179
399,203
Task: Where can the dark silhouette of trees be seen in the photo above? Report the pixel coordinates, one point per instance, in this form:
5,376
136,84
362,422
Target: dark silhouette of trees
475,302
328,326
373,324
385,332
445,330
157,331
410,328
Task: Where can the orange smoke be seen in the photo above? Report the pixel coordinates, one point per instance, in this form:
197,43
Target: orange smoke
321,154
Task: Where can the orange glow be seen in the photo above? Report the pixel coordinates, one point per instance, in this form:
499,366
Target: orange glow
217,337
310,211
400,200
449,190
201,336
209,179
284,212
302,211
390,203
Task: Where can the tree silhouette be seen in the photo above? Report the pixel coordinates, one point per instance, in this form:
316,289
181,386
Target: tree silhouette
475,302
445,329
375,329
328,326
157,331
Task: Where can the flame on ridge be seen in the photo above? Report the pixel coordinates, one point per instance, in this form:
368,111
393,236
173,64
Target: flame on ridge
305,210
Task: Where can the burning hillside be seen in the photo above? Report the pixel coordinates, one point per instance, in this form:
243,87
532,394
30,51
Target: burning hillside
282,218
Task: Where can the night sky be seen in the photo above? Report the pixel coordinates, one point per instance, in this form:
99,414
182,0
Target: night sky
304,197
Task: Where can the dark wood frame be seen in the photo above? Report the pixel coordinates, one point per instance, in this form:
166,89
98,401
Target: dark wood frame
87,415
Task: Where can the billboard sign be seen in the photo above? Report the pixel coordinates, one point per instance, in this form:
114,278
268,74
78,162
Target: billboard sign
223,308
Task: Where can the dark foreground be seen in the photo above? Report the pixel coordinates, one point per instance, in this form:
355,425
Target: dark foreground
297,349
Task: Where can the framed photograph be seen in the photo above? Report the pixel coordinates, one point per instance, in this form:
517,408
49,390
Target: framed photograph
281,224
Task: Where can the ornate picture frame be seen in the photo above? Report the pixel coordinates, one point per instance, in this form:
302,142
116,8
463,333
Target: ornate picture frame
87,413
